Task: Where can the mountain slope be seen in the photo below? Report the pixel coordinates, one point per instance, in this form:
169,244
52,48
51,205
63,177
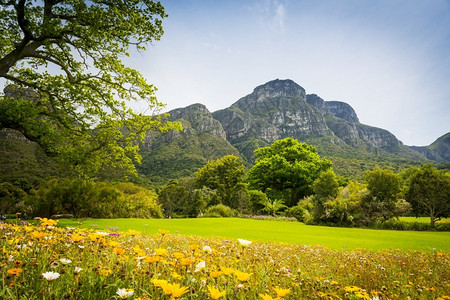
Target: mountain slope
178,154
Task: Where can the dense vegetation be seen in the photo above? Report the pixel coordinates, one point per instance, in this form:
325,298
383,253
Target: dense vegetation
288,179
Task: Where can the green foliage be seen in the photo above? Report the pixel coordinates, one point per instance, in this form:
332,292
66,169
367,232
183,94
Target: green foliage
297,212
12,198
86,198
272,206
326,185
225,175
384,187
429,192
173,198
288,169
78,113
256,198
220,210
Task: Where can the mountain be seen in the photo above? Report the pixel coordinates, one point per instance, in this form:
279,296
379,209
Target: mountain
178,154
281,108
439,150
274,110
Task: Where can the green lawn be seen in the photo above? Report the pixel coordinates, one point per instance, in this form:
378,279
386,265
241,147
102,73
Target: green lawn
287,232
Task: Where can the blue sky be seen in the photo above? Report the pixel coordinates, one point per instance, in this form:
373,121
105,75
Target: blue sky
389,59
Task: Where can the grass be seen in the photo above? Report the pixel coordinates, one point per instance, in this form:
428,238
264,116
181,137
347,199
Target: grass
286,232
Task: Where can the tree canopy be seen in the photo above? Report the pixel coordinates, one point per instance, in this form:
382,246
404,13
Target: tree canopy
384,187
224,175
287,169
429,192
68,89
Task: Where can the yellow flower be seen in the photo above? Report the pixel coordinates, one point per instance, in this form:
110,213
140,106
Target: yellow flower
242,276
139,251
178,255
193,247
351,289
38,234
114,243
282,292
227,271
15,271
48,222
163,232
215,293
77,238
152,259
178,291
105,272
158,282
173,289
160,251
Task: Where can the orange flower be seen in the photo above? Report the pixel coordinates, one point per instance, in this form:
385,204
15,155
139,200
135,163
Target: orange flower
15,271
163,232
215,274
118,251
187,261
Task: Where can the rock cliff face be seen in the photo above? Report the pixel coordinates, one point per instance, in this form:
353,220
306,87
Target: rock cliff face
439,150
281,108
273,111
199,118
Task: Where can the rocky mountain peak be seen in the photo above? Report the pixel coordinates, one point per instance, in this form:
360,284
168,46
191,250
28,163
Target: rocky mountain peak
342,110
198,117
278,88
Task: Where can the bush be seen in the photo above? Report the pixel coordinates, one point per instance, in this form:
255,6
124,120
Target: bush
220,210
84,198
296,212
413,226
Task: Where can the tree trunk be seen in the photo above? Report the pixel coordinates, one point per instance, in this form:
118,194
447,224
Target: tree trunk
432,218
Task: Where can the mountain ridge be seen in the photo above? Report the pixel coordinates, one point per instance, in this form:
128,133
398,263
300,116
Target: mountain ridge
274,110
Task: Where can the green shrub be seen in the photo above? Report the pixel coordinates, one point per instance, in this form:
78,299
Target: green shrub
297,212
85,198
394,224
220,210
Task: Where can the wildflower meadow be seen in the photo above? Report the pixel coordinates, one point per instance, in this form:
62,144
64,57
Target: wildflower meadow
45,261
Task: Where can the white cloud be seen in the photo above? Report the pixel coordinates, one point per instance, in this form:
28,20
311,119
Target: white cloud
272,15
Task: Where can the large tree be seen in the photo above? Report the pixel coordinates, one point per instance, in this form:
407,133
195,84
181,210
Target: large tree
287,169
68,89
224,175
384,187
429,193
